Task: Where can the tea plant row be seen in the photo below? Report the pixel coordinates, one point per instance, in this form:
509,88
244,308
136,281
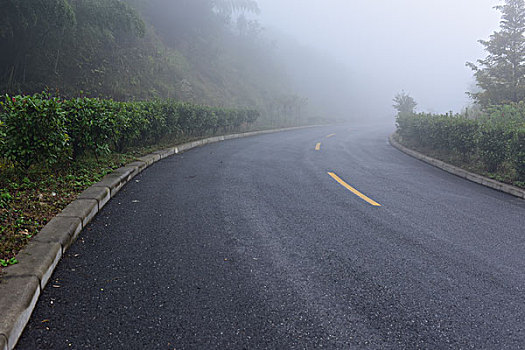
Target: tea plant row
44,130
495,140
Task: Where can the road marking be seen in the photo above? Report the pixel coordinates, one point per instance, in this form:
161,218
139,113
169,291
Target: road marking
354,191
331,135
318,146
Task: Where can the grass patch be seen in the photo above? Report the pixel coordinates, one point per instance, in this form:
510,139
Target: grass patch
29,200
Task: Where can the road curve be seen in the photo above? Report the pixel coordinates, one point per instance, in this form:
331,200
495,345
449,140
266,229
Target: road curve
254,244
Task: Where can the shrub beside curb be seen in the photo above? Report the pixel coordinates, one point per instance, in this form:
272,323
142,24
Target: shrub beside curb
482,180
46,130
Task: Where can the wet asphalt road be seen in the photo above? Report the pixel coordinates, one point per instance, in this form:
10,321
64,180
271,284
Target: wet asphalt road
250,244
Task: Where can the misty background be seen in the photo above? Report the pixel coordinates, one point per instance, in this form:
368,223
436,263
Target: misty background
378,48
295,61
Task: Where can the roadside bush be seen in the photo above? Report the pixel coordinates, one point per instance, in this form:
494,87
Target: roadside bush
91,125
2,137
252,115
438,131
35,130
517,152
130,125
512,115
156,122
462,136
493,144
408,127
43,129
238,118
496,138
171,113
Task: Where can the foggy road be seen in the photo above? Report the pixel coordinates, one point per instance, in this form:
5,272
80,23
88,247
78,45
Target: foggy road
324,237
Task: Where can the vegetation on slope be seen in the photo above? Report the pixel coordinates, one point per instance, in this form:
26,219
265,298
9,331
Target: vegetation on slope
199,51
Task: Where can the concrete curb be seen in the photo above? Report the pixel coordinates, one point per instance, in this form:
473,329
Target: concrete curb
482,180
22,283
3,342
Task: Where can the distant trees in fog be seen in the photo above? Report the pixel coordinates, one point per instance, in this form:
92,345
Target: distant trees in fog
404,103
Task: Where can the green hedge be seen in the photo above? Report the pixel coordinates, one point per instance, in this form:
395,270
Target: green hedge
517,151
42,129
34,130
494,139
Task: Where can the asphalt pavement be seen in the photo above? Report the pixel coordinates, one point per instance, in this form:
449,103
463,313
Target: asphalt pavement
255,244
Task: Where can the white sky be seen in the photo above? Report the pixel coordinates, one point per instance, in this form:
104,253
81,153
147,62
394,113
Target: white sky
419,46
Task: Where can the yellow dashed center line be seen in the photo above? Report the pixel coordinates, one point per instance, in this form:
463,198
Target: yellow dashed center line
331,135
318,146
354,191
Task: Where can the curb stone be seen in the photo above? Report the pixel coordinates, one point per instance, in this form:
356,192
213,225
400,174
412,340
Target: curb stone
41,259
151,158
3,342
85,209
21,285
101,194
139,165
19,295
61,230
482,180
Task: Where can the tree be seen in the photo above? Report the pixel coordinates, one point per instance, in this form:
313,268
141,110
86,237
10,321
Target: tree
404,103
79,44
229,7
102,50
501,75
30,37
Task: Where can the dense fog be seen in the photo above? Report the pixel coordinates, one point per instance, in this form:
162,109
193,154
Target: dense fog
296,61
362,53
